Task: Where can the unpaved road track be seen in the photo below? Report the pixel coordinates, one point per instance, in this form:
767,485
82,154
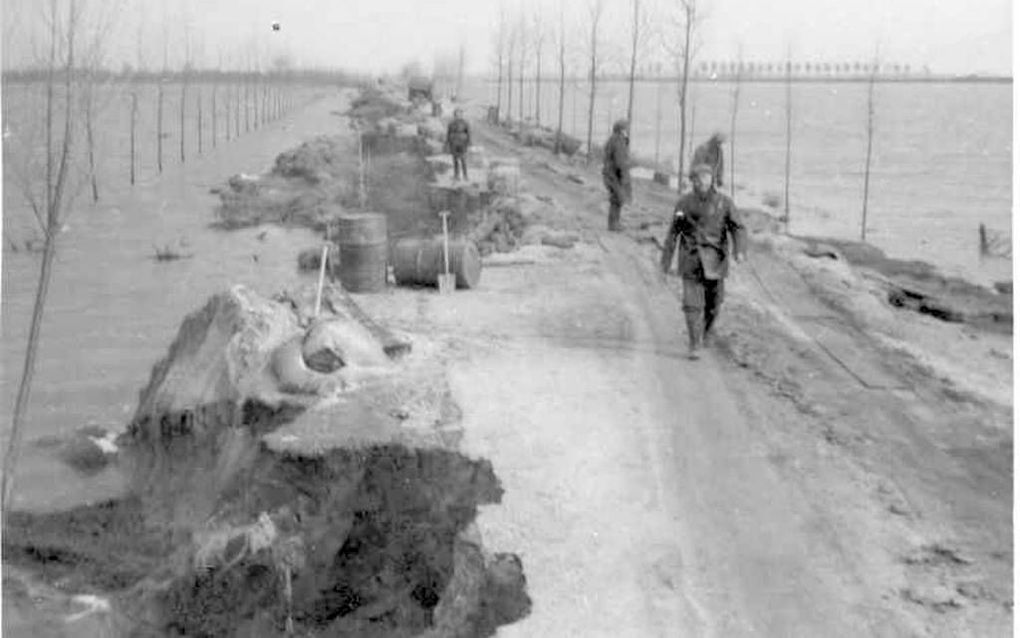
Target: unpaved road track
649,495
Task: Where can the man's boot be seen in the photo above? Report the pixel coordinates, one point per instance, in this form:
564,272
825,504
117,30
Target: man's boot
614,216
709,334
694,334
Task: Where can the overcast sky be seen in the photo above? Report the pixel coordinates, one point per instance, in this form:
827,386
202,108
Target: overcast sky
381,35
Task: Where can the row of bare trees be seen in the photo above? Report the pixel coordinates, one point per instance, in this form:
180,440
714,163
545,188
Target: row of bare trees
655,29
53,132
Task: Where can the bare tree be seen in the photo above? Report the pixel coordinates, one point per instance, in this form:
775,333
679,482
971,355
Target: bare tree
641,31
521,62
97,26
460,73
514,37
159,97
733,115
789,138
871,135
688,20
539,34
563,79
50,211
595,10
501,45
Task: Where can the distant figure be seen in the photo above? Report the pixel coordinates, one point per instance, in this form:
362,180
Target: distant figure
704,222
711,153
616,171
458,139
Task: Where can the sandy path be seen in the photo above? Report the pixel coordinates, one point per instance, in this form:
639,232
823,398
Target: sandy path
642,500
653,496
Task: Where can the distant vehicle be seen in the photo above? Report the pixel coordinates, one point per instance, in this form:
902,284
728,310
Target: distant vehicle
419,87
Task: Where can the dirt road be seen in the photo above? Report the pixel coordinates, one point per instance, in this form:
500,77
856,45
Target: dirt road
649,495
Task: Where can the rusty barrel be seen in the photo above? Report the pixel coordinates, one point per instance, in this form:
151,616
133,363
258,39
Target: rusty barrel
362,240
419,261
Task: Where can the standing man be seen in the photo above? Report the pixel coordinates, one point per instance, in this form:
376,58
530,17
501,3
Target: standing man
458,139
616,171
704,222
711,153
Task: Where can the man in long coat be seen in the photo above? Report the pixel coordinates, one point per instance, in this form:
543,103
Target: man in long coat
458,140
616,171
711,153
704,223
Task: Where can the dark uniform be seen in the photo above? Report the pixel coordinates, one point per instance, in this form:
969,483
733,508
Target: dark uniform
616,172
711,153
700,233
458,139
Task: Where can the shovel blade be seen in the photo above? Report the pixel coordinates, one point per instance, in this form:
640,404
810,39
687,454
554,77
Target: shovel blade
447,284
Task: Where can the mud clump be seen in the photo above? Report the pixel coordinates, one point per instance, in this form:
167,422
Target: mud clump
107,546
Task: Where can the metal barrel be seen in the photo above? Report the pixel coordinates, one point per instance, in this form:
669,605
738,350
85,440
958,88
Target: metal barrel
362,240
419,262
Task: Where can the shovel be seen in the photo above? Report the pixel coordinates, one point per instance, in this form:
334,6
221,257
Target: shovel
447,282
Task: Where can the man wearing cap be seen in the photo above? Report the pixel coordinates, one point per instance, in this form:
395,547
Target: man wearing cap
711,153
704,223
616,171
458,139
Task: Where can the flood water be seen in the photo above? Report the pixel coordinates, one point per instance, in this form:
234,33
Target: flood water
112,309
941,163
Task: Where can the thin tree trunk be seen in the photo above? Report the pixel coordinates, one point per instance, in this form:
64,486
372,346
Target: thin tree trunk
237,111
538,82
134,125
247,104
159,128
688,28
658,121
499,84
633,62
867,161
789,140
90,137
214,115
255,103
592,68
563,83
693,99
733,120
184,102
226,111
520,87
199,115
510,86
55,192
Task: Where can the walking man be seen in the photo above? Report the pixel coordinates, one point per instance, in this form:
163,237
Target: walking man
458,139
711,153
704,223
616,171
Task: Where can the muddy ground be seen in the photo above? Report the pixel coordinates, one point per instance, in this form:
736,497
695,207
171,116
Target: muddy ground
835,465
